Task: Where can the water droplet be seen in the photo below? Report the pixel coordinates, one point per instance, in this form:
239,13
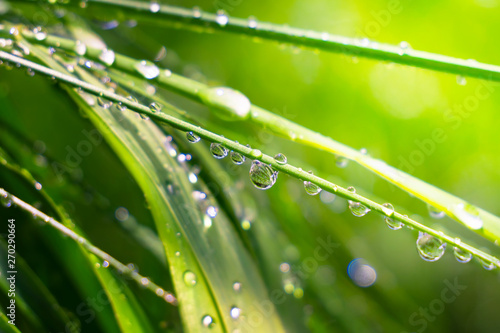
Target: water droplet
80,48
361,273
246,225
196,12
469,215
461,80
237,286
103,103
107,57
435,213
227,103
462,255
147,69
252,22
155,107
311,188
262,175
356,208
38,186
218,151
193,138
221,18
105,264
403,48
193,179
212,211
487,265
363,151
388,210
237,158
177,254
207,321
154,7
6,200
341,162
144,281
256,153
160,292
429,247
325,36
189,278
235,312
40,33
280,158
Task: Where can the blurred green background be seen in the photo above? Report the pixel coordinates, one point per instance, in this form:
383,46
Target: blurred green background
383,107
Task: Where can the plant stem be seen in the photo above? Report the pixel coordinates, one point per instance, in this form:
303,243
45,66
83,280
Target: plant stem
141,280
248,152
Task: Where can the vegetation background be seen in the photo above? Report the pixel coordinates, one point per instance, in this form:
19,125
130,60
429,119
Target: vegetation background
389,109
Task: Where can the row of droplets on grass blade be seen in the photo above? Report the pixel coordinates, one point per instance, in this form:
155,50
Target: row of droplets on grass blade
262,171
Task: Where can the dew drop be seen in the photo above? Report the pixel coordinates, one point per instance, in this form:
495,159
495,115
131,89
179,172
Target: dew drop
388,210
356,208
105,264
311,188
237,158
461,80
147,69
487,265
435,213
256,153
6,200
280,158
218,151
252,22
155,107
341,162
40,33
212,211
469,215
237,286
103,103
462,255
207,321
363,151
235,312
221,18
191,137
189,278
262,175
227,103
196,12
107,57
429,247
403,48
38,186
154,7
80,48
193,179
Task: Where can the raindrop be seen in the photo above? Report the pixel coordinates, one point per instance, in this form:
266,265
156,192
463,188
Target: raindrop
462,255
218,151
262,175
429,247
435,213
469,215
40,33
191,137
147,69
237,286
196,12
221,18
461,80
280,158
235,312
154,7
311,188
393,224
227,103
103,103
155,107
356,208
107,57
207,321
212,211
252,22
237,158
132,99
189,278
341,162
487,265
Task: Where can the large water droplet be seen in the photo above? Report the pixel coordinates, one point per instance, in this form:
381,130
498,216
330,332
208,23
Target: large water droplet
147,69
356,208
237,158
262,175
311,188
469,215
212,211
107,57
221,18
393,224
80,48
280,158
218,151
462,255
40,33
487,265
207,321
429,247
227,103
189,278
154,7
252,22
155,107
235,312
435,213
193,138
341,162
